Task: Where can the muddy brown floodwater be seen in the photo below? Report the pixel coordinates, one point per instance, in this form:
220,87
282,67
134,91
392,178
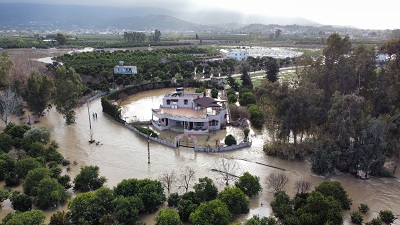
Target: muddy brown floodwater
122,154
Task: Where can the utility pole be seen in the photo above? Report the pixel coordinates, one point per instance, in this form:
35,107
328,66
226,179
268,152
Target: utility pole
148,148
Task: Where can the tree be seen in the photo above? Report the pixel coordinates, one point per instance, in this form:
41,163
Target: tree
157,35
149,191
84,209
256,220
7,165
61,39
356,217
246,99
387,216
4,194
185,208
38,92
6,143
186,177
173,199
213,212
281,205
375,221
226,169
214,93
302,186
127,209
278,33
249,184
39,133
88,179
277,181
5,67
256,117
230,140
320,209
167,180
363,208
335,189
49,193
33,179
34,217
324,160
232,83
168,217
246,79
235,200
60,218
24,165
10,104
205,189
21,202
68,88
272,69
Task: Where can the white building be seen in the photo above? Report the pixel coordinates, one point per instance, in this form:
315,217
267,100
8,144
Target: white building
126,70
189,113
238,54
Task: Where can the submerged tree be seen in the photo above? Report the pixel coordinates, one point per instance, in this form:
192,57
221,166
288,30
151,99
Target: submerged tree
10,104
38,92
68,88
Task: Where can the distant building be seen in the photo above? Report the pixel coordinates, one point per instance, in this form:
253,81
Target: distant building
237,54
217,80
126,70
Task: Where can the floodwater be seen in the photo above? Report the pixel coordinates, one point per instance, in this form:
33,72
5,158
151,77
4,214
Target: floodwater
122,154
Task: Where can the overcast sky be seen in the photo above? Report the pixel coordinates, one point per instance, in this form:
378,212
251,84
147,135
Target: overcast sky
362,14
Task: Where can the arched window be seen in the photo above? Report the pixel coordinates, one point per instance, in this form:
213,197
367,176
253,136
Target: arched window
185,101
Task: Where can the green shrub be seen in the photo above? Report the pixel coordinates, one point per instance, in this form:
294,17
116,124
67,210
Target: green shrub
356,217
364,208
375,221
387,216
246,132
230,140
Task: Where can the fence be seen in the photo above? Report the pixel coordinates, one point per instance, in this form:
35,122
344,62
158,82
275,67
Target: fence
161,141
96,96
223,148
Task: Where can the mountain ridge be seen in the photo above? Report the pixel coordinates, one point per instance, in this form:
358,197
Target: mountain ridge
135,18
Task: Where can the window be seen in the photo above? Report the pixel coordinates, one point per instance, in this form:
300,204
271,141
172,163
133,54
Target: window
168,102
185,101
198,124
213,123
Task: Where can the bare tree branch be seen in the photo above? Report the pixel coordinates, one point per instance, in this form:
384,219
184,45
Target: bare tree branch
9,104
302,186
277,181
227,170
186,177
167,180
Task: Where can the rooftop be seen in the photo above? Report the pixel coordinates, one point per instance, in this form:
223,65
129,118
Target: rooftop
183,112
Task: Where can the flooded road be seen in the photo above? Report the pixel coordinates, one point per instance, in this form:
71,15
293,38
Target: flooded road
122,154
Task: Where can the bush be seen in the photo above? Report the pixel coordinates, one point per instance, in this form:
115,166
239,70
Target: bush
146,131
173,200
375,221
387,216
364,208
356,217
88,179
246,132
230,140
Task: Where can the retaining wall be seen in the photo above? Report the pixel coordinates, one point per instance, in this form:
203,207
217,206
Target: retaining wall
223,148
